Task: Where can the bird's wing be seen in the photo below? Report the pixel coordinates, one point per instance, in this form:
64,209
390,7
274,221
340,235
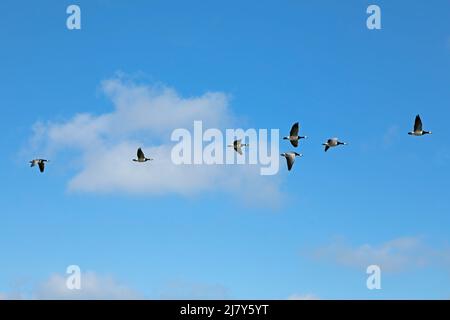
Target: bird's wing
140,154
290,161
33,163
41,166
237,143
294,143
418,124
326,148
238,150
294,130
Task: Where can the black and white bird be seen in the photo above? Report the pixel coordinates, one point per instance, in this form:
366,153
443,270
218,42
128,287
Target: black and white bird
293,135
40,163
333,142
237,146
418,131
141,157
290,158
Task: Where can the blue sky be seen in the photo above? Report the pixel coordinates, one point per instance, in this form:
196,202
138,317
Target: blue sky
383,199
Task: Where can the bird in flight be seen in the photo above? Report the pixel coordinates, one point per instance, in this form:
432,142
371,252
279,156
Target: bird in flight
418,131
141,157
333,142
293,135
40,163
290,158
237,146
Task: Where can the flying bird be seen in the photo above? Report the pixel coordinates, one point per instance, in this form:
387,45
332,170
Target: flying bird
418,131
141,157
293,135
40,163
290,158
333,142
237,146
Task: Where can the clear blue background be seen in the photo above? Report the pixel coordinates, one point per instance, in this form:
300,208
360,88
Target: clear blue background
282,61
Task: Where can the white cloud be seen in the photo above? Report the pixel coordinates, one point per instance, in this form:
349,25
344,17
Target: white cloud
392,256
101,146
93,287
183,290
12,296
96,286
308,296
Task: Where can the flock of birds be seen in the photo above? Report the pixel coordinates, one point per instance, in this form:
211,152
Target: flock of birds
293,137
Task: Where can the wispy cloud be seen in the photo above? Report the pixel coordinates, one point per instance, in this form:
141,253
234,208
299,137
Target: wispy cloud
102,145
180,290
392,256
93,287
96,286
307,296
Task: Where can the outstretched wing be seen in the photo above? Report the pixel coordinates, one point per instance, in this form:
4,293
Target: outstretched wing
326,148
417,124
294,143
294,130
140,154
290,161
41,166
238,150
